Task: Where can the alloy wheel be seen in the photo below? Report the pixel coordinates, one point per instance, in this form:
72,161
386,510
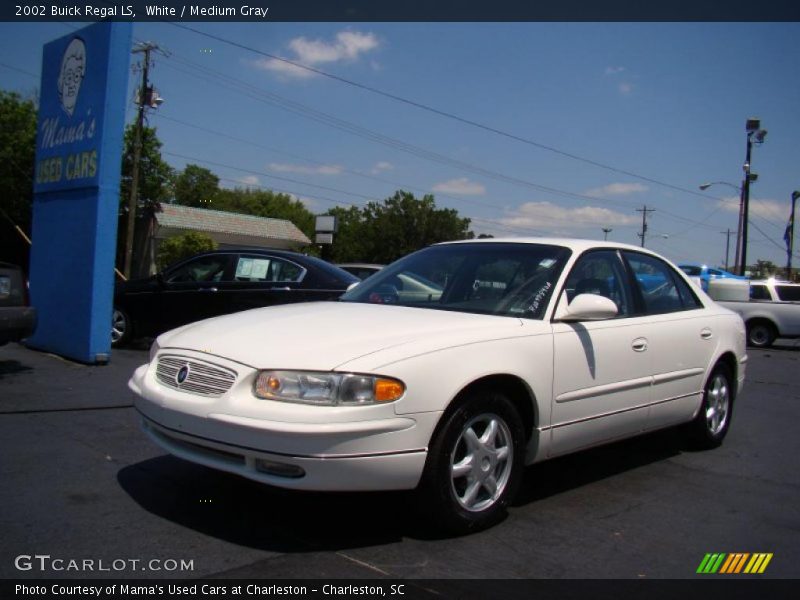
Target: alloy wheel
481,462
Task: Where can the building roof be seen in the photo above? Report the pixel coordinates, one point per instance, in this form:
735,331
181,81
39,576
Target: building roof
230,228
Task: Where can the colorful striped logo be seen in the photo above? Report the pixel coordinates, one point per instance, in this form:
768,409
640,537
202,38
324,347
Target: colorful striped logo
738,562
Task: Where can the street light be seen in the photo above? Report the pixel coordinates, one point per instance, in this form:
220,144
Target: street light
704,187
606,231
789,237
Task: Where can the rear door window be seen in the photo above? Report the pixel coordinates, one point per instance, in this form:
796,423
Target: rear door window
267,269
759,292
661,289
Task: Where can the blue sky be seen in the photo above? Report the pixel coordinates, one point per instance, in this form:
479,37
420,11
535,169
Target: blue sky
665,102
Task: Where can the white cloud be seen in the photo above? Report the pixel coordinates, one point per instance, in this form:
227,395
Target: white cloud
772,210
250,180
546,215
625,88
616,189
305,170
462,186
614,70
347,46
381,166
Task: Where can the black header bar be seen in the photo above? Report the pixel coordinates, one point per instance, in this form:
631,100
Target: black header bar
400,10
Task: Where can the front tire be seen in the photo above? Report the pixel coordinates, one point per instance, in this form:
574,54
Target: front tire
475,463
712,422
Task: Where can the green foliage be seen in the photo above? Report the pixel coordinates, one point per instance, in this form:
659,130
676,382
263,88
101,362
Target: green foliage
183,246
763,269
196,186
382,233
155,175
17,151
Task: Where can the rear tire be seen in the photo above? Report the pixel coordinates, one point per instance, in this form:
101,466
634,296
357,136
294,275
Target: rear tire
760,334
712,422
475,463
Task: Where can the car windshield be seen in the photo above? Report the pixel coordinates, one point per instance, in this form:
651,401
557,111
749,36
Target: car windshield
508,279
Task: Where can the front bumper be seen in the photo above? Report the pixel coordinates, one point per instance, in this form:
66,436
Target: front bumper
287,445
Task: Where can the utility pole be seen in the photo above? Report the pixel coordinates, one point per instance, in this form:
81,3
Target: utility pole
606,231
145,48
789,237
755,135
644,212
727,246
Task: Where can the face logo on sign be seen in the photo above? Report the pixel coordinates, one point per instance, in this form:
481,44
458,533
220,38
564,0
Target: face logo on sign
73,68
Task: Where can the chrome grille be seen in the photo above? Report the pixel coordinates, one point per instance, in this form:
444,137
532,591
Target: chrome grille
199,378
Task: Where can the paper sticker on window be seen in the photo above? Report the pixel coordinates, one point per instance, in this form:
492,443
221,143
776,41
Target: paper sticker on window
259,269
244,268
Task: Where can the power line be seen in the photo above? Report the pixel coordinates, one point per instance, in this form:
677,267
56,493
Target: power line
297,108
441,113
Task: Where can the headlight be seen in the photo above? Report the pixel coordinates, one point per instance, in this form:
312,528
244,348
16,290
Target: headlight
154,348
327,389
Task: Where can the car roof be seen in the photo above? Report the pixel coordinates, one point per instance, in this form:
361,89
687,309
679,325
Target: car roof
360,265
251,250
576,244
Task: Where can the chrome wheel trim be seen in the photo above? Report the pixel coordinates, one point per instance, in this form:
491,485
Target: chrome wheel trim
119,326
481,462
717,404
759,335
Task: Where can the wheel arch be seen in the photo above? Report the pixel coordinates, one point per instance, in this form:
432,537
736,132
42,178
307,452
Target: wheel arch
728,359
761,319
512,386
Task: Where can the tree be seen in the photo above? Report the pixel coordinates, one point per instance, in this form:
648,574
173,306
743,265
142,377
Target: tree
154,187
402,224
183,246
17,152
763,269
196,186
155,175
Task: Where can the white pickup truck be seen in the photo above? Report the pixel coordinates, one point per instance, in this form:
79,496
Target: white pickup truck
770,310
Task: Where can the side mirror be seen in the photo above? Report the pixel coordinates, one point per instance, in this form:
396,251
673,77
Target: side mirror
586,307
160,278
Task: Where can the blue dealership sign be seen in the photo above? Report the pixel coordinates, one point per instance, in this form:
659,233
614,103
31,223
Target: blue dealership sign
76,190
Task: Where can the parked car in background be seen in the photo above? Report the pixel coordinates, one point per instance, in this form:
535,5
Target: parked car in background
17,317
360,270
767,310
774,290
706,273
505,353
221,282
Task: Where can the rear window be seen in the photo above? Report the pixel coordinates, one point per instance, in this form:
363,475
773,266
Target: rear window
788,292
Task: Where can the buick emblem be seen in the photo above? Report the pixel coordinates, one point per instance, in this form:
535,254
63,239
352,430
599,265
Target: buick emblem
182,374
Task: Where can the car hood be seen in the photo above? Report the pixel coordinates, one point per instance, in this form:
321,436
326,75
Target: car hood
325,335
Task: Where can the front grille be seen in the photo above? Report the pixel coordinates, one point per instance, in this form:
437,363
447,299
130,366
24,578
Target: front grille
198,377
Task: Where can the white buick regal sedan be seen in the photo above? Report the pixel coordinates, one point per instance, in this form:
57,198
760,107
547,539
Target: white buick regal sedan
449,371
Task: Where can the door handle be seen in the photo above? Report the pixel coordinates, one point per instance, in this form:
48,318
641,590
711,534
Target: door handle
706,334
281,289
639,345
211,289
